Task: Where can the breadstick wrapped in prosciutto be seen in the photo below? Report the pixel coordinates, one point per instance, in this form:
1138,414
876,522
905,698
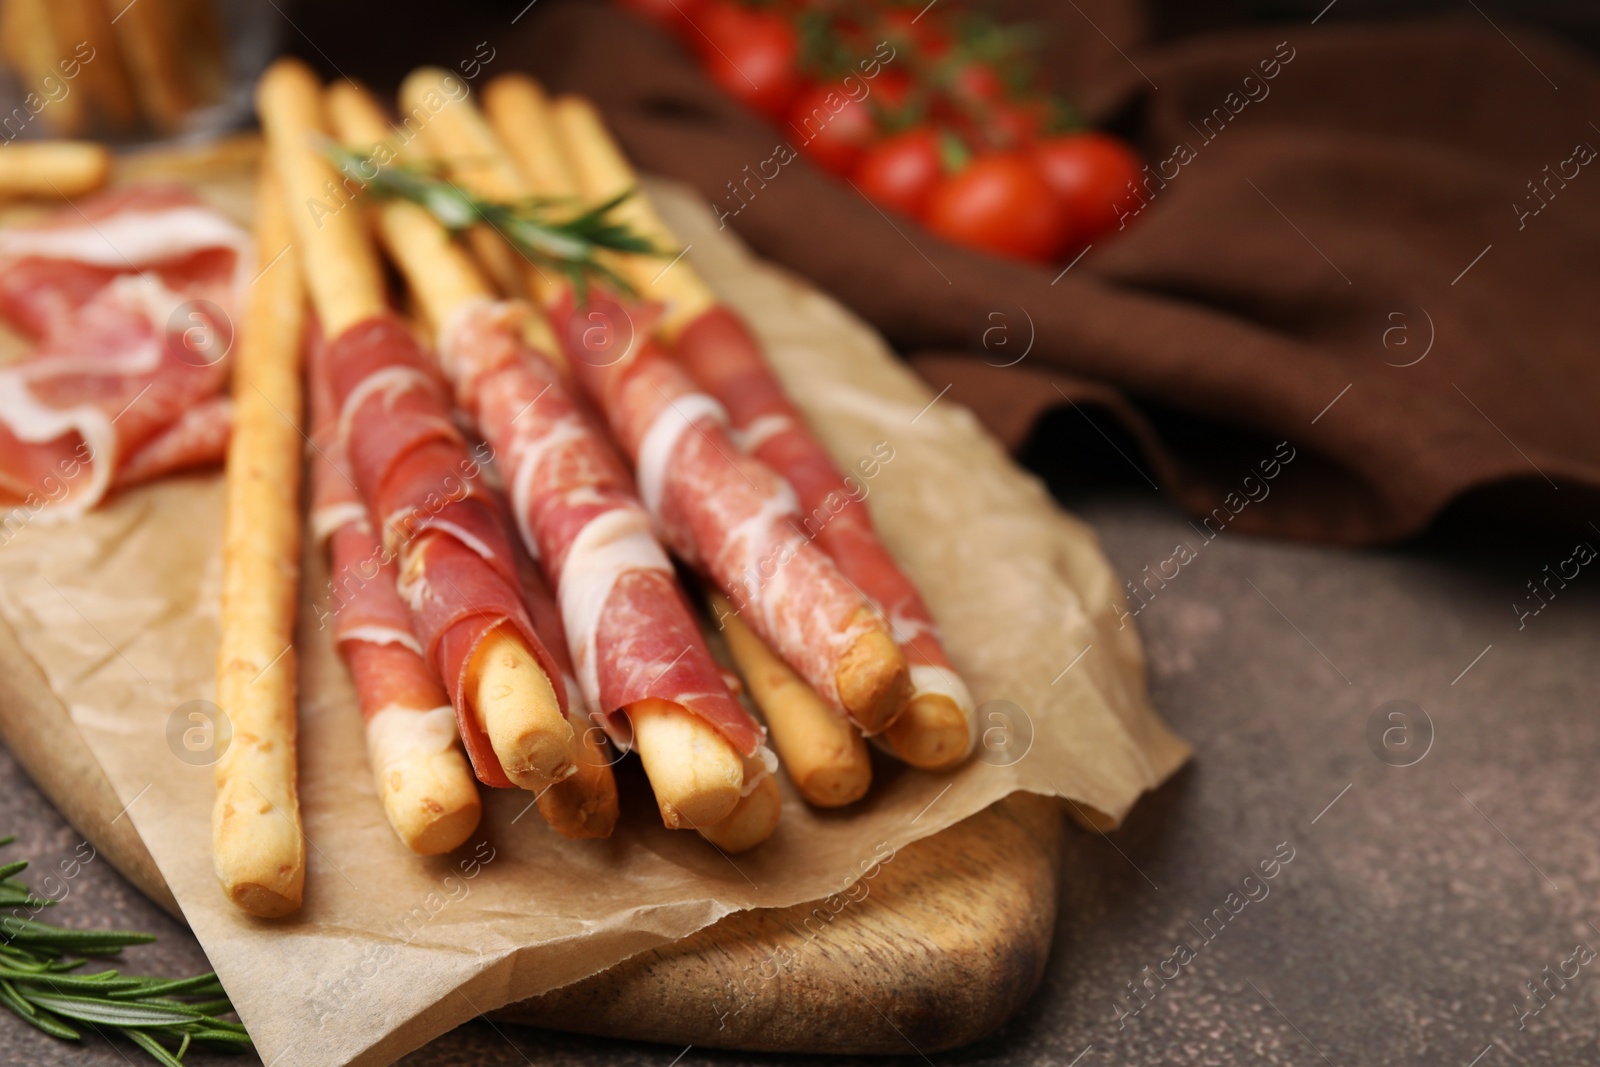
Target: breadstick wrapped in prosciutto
939,726
417,474
638,654
584,804
423,779
723,511
130,298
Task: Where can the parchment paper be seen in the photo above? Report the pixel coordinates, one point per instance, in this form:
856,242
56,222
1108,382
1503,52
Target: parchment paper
120,611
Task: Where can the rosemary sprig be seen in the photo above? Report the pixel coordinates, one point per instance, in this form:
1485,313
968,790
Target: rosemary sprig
38,983
556,232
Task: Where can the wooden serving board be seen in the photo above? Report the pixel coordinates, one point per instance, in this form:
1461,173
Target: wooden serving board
947,942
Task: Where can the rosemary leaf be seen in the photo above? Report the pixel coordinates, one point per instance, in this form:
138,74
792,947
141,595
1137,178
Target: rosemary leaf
556,233
157,1050
110,1012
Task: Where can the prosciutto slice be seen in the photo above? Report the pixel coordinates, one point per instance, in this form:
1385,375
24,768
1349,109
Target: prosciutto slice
129,299
406,709
630,631
418,476
720,509
725,359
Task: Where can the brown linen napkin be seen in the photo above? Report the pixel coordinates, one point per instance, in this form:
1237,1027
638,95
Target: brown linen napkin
1349,258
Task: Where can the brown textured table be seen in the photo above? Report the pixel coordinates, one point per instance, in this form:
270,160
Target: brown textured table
1418,900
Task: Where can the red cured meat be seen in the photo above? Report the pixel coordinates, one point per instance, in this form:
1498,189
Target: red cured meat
722,356
371,624
130,298
198,438
417,474
630,630
720,509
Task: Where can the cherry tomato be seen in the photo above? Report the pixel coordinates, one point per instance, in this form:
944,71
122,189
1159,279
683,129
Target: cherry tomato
978,82
891,92
830,127
1089,173
908,27
999,203
677,17
752,55
900,172
1016,124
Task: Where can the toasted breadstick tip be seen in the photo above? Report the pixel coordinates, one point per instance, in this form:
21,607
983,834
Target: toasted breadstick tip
53,168
423,778
584,805
517,707
697,775
874,682
931,734
340,263
822,751
752,821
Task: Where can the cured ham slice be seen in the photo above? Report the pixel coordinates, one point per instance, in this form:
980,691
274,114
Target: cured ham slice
730,515
398,693
422,482
630,630
724,358
129,298
412,741
198,438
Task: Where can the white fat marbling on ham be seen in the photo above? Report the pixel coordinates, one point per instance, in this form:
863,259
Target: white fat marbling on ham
612,544
101,285
761,430
660,441
530,458
327,519
388,383
375,634
130,239
943,681
398,736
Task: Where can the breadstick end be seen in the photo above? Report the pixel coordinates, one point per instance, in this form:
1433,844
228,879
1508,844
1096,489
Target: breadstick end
584,806
697,776
446,833
873,681
931,734
834,786
752,820
262,901
517,706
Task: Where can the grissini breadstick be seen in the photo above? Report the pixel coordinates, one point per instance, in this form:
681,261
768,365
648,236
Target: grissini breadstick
585,804
53,168
823,753
507,270
577,514
423,779
85,26
753,819
938,728
603,172
519,119
149,34
41,58
257,844
415,469
458,133
797,600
